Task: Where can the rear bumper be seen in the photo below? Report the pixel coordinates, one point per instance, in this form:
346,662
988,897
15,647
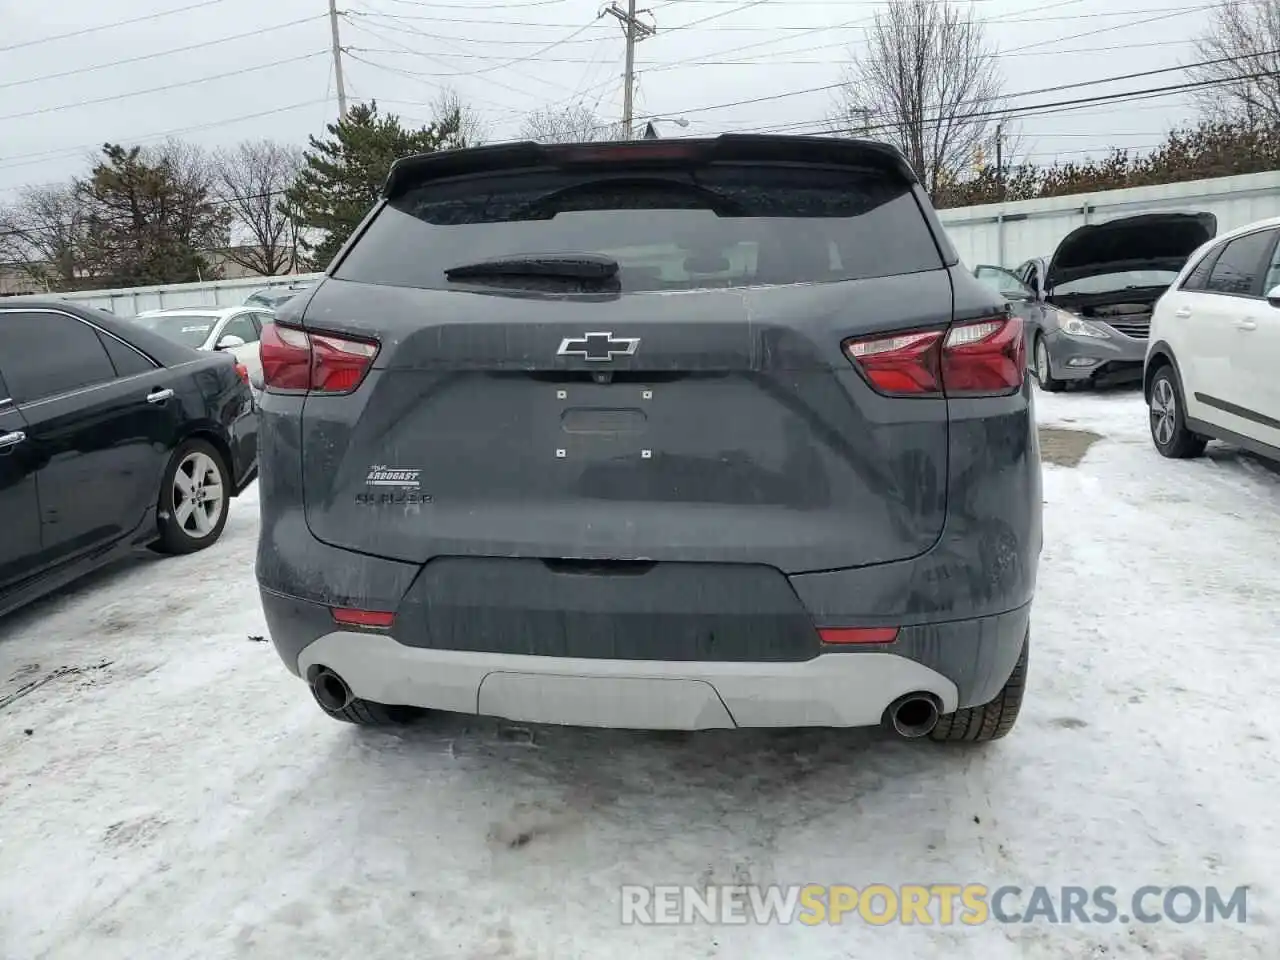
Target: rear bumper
1088,358
962,663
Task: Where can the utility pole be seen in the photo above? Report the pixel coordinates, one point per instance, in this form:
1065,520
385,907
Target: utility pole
635,30
337,59
1000,159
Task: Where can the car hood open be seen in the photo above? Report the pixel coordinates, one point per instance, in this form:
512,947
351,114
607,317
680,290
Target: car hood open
1149,241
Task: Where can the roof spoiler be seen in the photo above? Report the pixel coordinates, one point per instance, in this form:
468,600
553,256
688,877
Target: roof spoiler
408,172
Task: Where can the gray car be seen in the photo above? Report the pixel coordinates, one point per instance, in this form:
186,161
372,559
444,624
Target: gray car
659,434
1088,307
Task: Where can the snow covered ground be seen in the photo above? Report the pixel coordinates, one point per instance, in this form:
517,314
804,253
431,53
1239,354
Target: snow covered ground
177,794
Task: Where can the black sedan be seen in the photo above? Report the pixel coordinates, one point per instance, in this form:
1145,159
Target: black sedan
111,438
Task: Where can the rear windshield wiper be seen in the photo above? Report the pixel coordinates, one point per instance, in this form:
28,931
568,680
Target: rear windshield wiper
571,266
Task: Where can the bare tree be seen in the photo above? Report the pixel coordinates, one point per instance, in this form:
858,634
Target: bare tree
576,123
471,127
251,181
42,234
927,83
1241,43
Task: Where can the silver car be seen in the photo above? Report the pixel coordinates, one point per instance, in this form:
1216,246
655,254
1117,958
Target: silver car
1087,308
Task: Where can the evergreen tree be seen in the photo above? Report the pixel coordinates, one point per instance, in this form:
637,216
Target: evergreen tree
343,174
149,216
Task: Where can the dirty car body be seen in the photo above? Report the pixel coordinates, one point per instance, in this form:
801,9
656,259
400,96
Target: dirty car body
692,434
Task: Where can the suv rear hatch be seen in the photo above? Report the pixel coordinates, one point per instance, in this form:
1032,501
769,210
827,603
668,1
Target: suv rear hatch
517,396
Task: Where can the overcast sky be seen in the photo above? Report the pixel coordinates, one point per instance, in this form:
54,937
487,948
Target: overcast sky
508,57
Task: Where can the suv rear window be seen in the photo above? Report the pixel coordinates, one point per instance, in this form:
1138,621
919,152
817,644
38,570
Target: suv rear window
727,225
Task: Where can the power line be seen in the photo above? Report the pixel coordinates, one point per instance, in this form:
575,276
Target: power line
774,61
790,3
469,20
1057,88
761,28
27,159
418,4
1031,109
417,75
167,86
110,26
420,78
671,65
571,38
1113,27
1015,51
160,53
740,8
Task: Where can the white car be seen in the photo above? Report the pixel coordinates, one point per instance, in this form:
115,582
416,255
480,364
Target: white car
1214,352
236,330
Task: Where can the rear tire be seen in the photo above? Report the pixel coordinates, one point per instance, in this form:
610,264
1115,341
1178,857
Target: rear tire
366,713
195,495
336,701
1169,430
989,721
1044,372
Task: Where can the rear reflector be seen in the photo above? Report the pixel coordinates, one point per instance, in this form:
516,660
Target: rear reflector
363,618
293,359
858,634
986,357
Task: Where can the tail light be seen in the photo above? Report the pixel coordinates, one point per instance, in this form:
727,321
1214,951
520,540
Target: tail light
242,372
984,358
295,359
977,358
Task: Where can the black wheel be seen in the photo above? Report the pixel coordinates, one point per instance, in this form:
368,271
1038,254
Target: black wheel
1168,425
1044,373
194,497
365,713
990,721
335,699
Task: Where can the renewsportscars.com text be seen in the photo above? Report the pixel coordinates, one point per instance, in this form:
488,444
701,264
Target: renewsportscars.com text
937,904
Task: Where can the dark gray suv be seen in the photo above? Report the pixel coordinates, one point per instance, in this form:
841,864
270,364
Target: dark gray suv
672,434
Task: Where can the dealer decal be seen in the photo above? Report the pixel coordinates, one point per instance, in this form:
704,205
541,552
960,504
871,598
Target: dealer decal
380,475
392,486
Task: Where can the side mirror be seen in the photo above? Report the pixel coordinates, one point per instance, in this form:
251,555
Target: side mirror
230,342
1273,296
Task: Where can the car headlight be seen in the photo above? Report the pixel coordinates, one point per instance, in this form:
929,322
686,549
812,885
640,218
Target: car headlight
1075,326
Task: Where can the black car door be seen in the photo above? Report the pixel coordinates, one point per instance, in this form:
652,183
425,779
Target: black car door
19,508
101,421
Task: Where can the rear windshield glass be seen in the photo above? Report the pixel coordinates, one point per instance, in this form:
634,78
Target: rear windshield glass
189,330
722,226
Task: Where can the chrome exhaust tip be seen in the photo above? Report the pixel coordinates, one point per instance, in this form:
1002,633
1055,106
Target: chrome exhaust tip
330,690
913,715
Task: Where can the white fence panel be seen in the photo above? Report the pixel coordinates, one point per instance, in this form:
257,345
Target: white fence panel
130,301
1009,233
